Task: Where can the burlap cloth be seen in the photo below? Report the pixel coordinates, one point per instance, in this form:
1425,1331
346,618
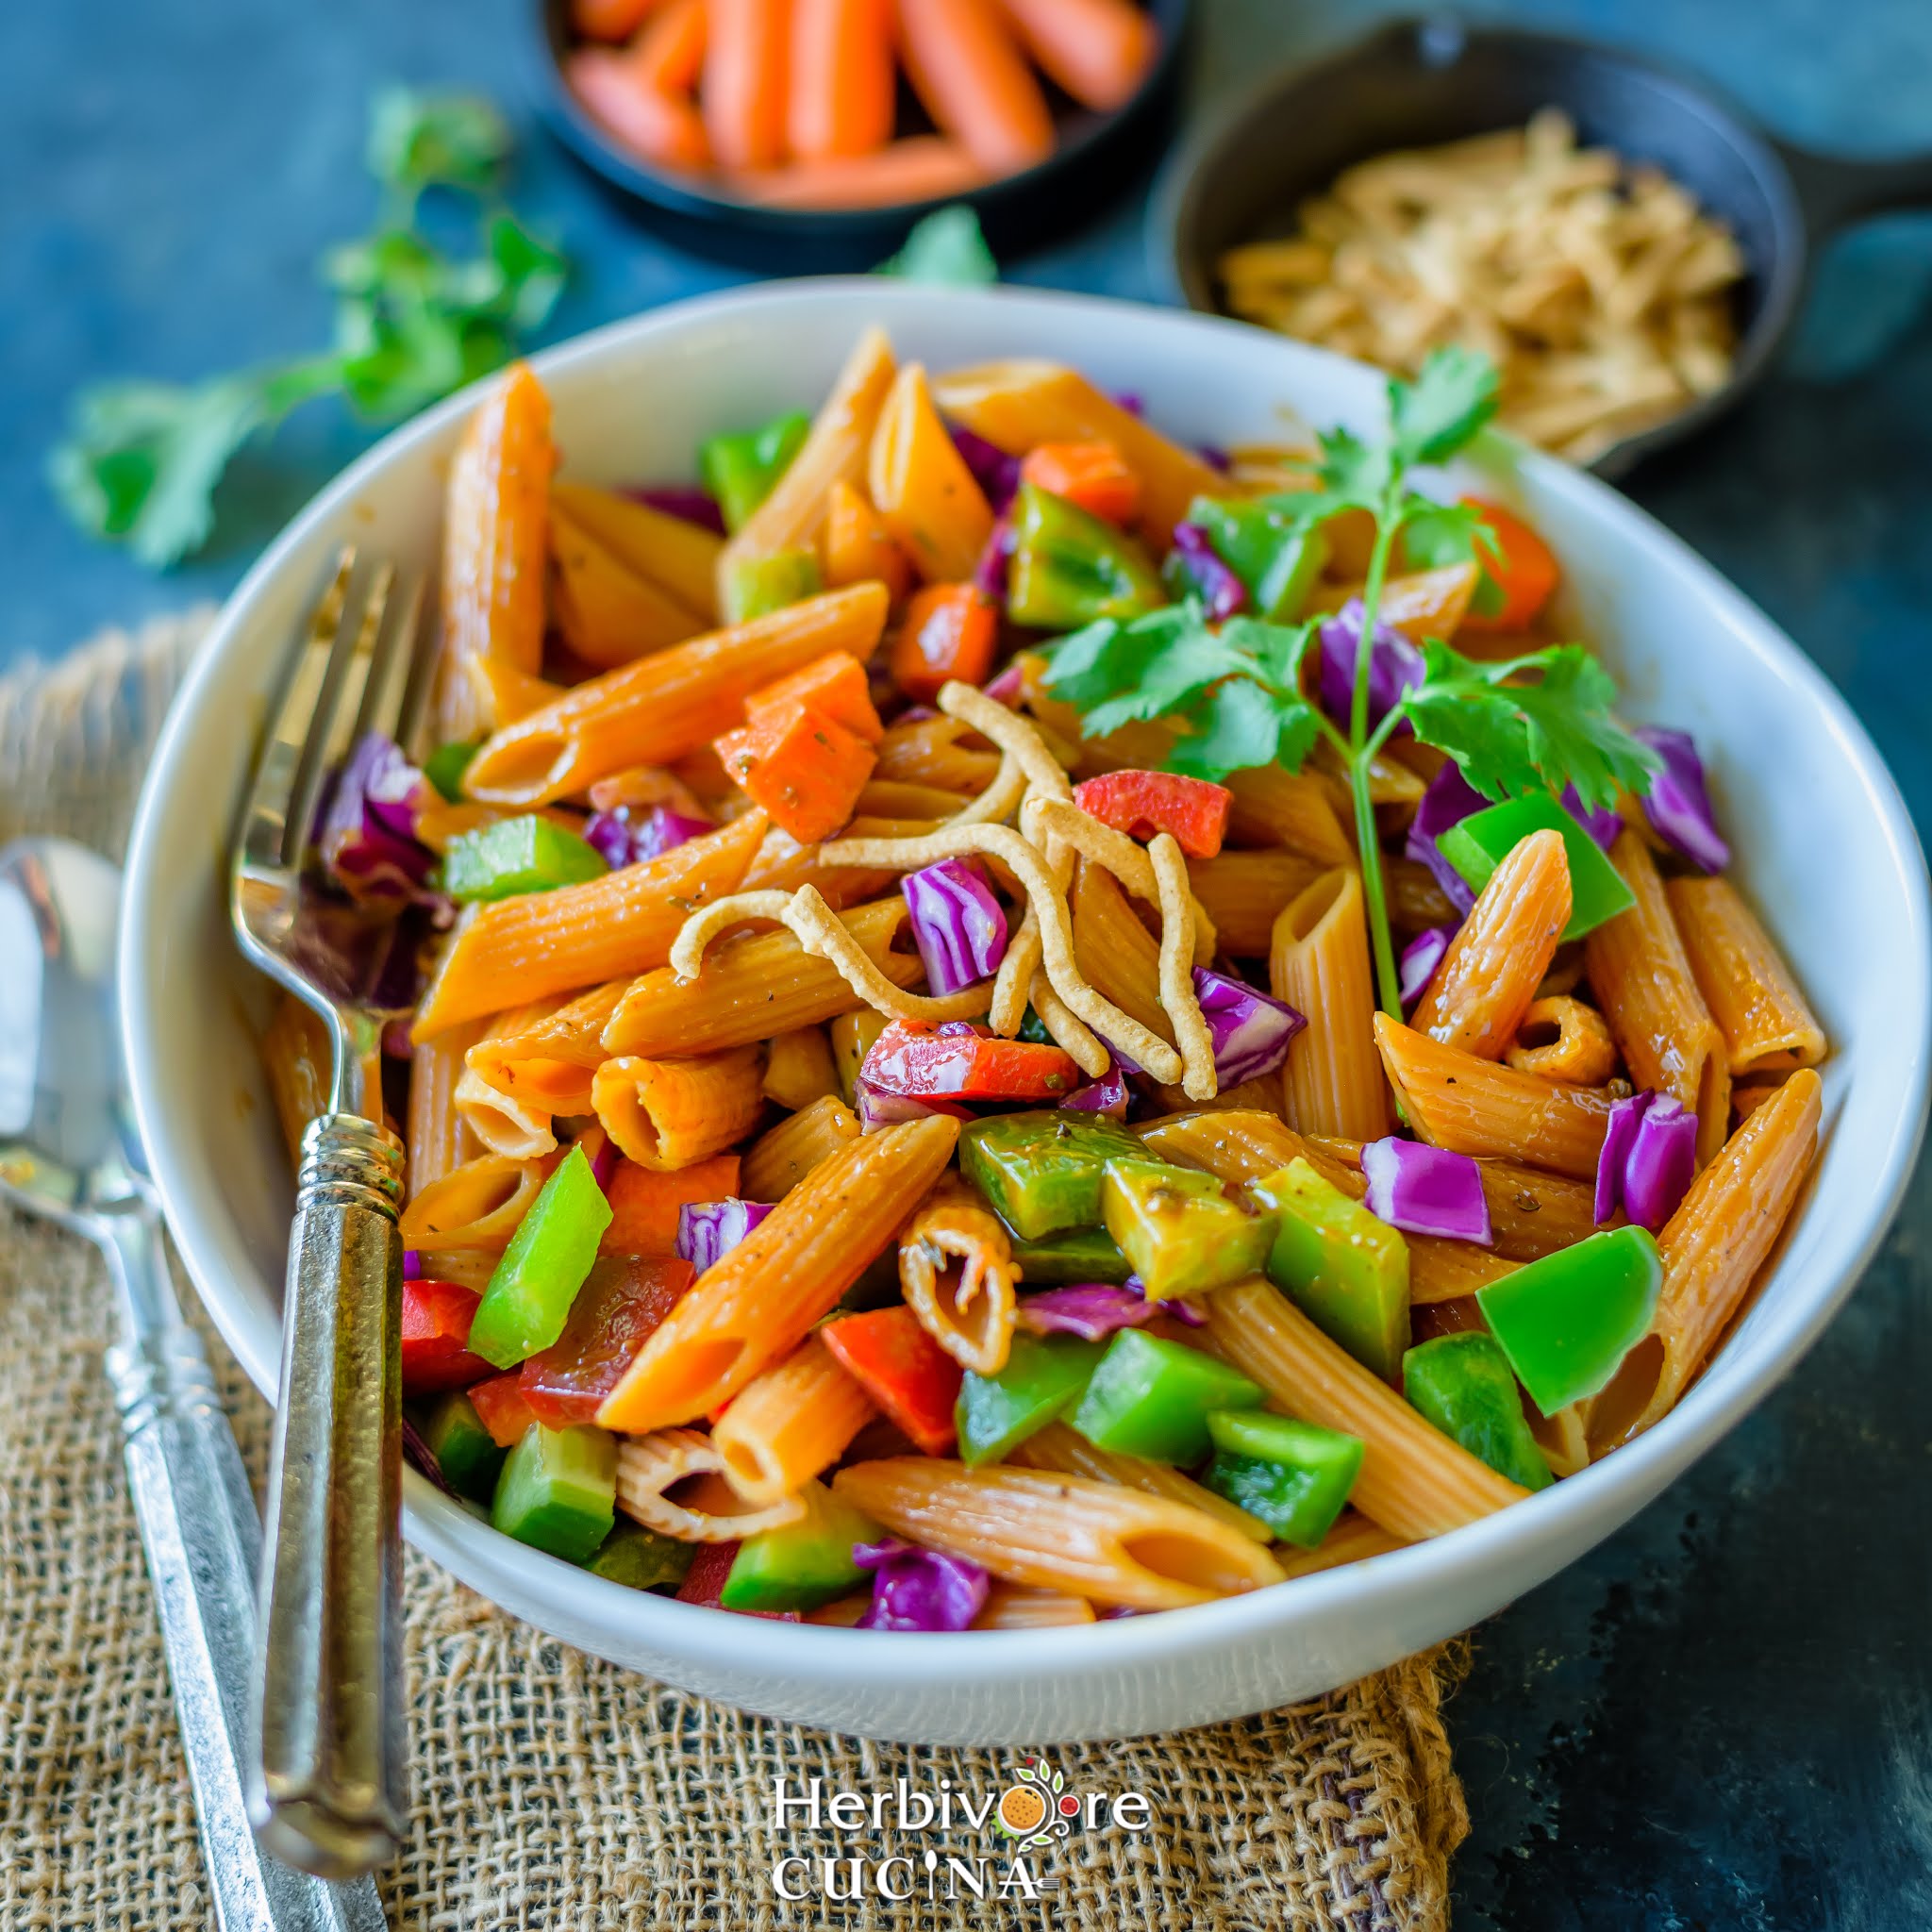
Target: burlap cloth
552,1790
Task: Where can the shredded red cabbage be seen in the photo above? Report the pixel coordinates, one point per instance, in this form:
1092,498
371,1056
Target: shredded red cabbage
1395,666
1214,457
1648,1162
1194,565
1449,800
996,560
685,500
1132,401
1603,826
412,1264
1419,958
419,1456
1005,688
1678,802
1107,1094
1250,1030
620,837
959,927
367,836
708,1230
993,470
604,1163
1426,1190
918,1590
1090,1310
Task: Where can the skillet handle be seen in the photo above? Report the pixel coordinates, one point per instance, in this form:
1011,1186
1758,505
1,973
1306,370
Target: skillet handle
1835,191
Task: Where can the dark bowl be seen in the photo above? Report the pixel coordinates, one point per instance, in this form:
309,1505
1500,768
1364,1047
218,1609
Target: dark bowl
1098,157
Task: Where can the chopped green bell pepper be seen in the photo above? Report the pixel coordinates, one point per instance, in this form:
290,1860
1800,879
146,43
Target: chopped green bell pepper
465,1451
1041,1171
742,468
1481,842
1294,1475
445,767
1152,1397
1343,1269
854,1036
1263,544
756,586
528,1298
558,1491
804,1564
1044,1377
1566,1321
642,1559
1084,1254
1070,566
1180,1228
520,855
1463,1384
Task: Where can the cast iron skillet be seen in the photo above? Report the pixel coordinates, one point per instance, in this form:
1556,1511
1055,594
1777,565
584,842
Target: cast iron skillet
1098,157
1417,82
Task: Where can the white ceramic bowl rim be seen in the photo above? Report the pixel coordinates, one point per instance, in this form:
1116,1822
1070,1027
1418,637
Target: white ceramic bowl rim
448,1533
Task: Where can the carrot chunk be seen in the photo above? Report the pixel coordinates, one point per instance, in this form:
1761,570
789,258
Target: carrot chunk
804,767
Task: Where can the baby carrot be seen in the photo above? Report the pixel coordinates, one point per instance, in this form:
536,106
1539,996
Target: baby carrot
1098,50
975,82
609,19
658,126
923,168
743,90
839,88
670,52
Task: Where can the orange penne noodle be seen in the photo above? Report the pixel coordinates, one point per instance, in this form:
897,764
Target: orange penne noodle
547,1061
799,1069
757,1303
1117,956
1749,1095
783,864
781,1157
1419,604
921,485
1484,984
478,1204
1766,1024
1244,892
501,1125
754,986
1454,1100
1332,1082
512,950
515,693
835,451
644,1203
789,1424
1563,1038
1293,809
608,613
439,1139
494,547
854,543
706,1509
668,1113
1713,1246
1414,1481
1642,977
1013,1606
927,750
679,557
1017,404
1415,899
1259,1095
1091,1539
296,1057
956,1268
1353,1538
1058,1447
659,708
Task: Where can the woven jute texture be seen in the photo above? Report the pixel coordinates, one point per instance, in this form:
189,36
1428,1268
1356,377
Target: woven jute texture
552,1790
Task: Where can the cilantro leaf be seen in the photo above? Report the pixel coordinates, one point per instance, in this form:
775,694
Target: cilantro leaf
1436,536
1511,737
1453,396
418,140
1277,650
1352,471
945,248
1237,726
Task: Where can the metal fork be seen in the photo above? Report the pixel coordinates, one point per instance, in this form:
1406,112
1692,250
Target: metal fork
327,1793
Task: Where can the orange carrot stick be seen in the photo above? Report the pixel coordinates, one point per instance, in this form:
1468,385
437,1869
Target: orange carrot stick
609,19
1098,50
743,90
975,82
839,89
926,167
669,55
655,125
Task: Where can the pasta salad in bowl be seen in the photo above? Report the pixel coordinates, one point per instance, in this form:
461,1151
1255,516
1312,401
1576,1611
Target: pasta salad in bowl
1026,995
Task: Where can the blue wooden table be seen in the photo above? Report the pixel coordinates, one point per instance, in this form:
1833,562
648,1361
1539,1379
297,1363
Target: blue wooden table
1722,1719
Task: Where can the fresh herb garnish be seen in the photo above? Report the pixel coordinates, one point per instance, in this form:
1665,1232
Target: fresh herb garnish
142,460
1535,724
945,248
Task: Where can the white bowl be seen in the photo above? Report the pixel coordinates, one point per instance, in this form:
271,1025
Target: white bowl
1824,847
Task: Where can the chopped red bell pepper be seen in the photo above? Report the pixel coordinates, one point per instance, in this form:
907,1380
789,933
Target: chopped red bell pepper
949,631
1093,475
703,1582
612,1317
436,1335
1525,568
911,1378
501,1407
1143,803
962,1063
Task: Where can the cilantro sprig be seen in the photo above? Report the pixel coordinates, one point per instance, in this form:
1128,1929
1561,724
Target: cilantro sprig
1540,722
413,323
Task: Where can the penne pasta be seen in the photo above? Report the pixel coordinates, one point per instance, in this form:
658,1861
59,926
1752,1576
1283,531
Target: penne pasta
1013,1606
1117,956
1479,994
1561,1038
1416,898
667,1113
547,1059
1332,1082
1713,1246
1454,1100
706,1508
1643,980
1353,1539
609,615
296,1057
477,1204
756,1303
678,556
1058,1447
664,705
921,487
789,1424
799,1068
956,1268
930,752
781,1157
1766,1025
1291,809
1244,892
439,1139
500,1124
1091,1539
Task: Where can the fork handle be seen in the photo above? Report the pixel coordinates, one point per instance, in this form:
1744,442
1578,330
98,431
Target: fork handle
328,1790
